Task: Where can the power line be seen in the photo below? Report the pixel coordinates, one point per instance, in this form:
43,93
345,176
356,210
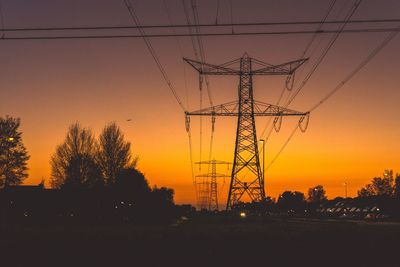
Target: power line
153,53
1,20
201,48
331,5
356,70
186,93
231,12
120,36
196,54
180,51
203,59
374,52
189,23
217,13
219,25
325,52
63,37
283,147
167,11
313,69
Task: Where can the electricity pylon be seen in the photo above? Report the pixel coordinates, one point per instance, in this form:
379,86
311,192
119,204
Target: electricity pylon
203,193
212,185
246,174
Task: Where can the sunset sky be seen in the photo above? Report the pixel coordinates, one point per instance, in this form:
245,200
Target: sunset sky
50,84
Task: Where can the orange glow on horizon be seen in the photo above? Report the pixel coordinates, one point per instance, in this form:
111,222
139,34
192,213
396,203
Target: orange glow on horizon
351,138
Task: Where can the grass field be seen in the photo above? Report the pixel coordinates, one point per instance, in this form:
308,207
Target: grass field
207,242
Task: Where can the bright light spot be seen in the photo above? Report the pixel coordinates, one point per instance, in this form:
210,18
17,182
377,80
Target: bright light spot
116,207
10,139
26,214
122,203
243,215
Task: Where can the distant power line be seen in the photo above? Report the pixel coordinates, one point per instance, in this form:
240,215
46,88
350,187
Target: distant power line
163,35
220,25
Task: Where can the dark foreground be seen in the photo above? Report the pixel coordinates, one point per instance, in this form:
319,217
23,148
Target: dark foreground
206,242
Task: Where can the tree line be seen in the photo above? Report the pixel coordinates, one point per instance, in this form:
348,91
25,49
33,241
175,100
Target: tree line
90,177
83,163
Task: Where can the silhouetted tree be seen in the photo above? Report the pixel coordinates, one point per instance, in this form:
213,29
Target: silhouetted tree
114,153
316,194
379,186
164,195
291,201
397,187
82,171
13,154
162,202
73,164
131,183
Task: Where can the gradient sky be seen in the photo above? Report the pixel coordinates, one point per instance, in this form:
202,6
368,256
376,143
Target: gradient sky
51,84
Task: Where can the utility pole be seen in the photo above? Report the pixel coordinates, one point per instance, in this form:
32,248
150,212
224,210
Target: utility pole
246,178
212,185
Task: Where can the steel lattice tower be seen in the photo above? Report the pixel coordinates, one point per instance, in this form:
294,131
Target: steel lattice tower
246,177
212,185
203,191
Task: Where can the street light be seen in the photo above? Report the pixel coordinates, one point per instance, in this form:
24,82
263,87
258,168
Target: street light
263,142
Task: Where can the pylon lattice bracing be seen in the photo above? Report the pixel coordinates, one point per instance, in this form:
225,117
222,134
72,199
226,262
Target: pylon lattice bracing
208,185
246,177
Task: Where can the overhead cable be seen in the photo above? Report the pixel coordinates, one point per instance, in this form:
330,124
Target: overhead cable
356,70
153,53
219,25
212,34
325,52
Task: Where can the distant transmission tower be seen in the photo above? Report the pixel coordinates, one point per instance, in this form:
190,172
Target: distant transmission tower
203,193
212,184
247,177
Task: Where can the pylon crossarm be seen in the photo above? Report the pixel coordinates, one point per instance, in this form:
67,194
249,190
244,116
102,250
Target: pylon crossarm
210,69
213,161
260,109
227,109
287,68
212,175
265,109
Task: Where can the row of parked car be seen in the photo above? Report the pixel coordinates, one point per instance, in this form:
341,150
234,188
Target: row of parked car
351,209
